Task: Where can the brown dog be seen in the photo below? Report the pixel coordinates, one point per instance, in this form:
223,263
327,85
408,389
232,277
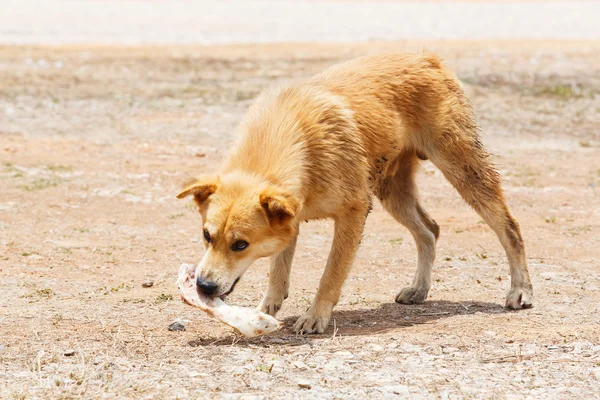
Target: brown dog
319,149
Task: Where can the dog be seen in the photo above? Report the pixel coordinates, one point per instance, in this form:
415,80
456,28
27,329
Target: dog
321,148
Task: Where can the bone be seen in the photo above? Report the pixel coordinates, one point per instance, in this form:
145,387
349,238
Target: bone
249,322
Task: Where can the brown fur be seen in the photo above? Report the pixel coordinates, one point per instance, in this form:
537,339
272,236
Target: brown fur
320,147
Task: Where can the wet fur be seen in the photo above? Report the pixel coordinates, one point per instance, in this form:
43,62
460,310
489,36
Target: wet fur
321,147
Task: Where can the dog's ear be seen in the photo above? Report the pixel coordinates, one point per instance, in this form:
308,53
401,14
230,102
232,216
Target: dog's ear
279,205
200,188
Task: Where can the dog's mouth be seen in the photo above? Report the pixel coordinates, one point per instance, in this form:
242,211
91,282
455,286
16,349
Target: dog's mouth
224,295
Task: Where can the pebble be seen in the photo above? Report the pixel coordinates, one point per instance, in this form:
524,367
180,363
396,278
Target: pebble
304,384
148,284
398,390
300,365
449,350
409,348
177,326
239,370
333,365
69,353
343,354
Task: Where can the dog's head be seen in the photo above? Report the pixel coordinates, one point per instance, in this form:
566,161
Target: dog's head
243,219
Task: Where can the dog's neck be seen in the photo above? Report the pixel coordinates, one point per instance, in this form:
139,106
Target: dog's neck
272,151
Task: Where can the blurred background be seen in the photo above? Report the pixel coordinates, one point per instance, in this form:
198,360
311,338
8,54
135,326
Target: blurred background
257,21
107,106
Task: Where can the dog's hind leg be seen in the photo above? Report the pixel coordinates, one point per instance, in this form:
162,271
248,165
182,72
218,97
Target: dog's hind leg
399,197
279,280
459,154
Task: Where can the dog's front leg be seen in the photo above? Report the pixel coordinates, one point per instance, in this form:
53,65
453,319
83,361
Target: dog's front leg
347,234
279,280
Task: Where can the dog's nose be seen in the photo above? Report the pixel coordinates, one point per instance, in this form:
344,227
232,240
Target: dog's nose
207,287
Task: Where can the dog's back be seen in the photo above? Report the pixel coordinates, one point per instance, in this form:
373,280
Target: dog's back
358,116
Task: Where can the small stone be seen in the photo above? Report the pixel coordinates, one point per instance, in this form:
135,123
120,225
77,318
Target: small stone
300,365
343,354
148,284
397,390
239,370
177,326
69,353
449,350
98,360
304,384
335,364
410,348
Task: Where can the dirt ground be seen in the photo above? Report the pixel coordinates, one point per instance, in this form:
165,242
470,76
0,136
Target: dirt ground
96,141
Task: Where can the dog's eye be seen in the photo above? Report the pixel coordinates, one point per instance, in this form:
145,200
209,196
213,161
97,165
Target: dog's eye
207,236
239,245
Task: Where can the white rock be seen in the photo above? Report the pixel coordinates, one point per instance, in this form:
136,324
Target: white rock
343,354
300,365
375,347
409,348
395,391
334,364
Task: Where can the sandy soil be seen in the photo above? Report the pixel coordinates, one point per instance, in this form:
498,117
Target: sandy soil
96,141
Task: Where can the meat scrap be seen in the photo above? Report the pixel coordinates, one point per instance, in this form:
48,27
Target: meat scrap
249,322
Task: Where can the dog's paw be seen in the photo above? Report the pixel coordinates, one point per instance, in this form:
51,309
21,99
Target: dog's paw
519,298
412,295
315,320
271,304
